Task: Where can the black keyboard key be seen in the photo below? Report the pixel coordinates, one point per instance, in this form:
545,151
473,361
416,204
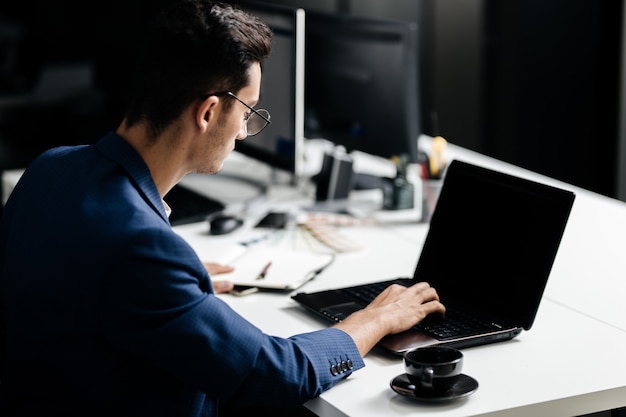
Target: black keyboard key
367,292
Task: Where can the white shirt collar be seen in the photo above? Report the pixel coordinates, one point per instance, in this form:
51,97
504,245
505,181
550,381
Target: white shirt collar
168,209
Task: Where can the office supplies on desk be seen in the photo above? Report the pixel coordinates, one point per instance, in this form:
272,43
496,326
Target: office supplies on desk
330,236
274,220
489,251
242,290
433,161
269,267
265,270
323,226
222,224
430,194
437,162
398,192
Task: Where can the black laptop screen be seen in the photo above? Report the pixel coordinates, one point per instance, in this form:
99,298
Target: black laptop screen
494,234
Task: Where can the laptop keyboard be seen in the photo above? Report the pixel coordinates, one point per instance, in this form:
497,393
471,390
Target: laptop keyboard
453,325
367,292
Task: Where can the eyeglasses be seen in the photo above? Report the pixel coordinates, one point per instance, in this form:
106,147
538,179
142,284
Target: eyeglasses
255,121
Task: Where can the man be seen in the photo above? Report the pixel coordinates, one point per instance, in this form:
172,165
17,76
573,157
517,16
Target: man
108,311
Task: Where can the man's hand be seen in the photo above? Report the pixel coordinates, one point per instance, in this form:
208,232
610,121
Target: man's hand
219,286
396,309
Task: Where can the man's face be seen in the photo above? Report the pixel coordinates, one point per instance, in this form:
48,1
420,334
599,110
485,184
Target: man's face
230,125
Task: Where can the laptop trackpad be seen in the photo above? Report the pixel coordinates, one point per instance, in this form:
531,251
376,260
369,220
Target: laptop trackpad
410,339
339,312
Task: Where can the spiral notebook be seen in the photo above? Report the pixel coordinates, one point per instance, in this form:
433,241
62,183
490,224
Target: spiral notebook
489,251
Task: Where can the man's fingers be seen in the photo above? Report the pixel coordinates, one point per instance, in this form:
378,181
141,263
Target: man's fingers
214,268
222,286
434,306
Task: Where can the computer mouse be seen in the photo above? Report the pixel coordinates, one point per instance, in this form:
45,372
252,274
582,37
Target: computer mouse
223,224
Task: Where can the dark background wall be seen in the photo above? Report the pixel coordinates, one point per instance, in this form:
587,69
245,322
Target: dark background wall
65,67
551,93
532,82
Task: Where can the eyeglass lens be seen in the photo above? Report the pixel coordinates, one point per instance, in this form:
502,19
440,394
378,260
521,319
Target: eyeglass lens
256,123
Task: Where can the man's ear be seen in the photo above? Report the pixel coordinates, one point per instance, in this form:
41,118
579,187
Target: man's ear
206,112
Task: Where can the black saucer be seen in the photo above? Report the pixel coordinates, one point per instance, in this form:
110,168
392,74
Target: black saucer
465,385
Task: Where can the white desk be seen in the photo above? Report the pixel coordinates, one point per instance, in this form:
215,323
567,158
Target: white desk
570,363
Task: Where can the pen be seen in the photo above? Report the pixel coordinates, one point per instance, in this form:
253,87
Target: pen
264,271
319,270
424,164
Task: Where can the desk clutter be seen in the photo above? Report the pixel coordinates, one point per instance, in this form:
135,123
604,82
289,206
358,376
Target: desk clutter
325,228
408,183
282,251
322,226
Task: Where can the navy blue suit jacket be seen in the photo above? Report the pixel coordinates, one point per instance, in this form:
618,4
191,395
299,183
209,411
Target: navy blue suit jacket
109,312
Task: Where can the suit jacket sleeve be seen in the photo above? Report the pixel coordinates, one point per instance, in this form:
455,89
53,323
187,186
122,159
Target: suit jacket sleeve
159,305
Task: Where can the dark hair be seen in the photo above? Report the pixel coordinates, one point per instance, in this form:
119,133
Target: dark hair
193,48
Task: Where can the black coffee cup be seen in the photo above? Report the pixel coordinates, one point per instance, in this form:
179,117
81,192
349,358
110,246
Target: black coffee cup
433,367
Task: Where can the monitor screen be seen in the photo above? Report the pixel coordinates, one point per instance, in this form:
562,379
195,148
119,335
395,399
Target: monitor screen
361,84
280,144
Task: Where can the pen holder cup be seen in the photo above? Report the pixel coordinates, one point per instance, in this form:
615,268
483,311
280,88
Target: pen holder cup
430,193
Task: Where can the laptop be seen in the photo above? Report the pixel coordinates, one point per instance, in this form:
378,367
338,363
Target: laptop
489,250
189,206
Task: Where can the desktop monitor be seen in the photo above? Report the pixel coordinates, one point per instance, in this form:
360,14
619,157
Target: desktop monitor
280,144
361,84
